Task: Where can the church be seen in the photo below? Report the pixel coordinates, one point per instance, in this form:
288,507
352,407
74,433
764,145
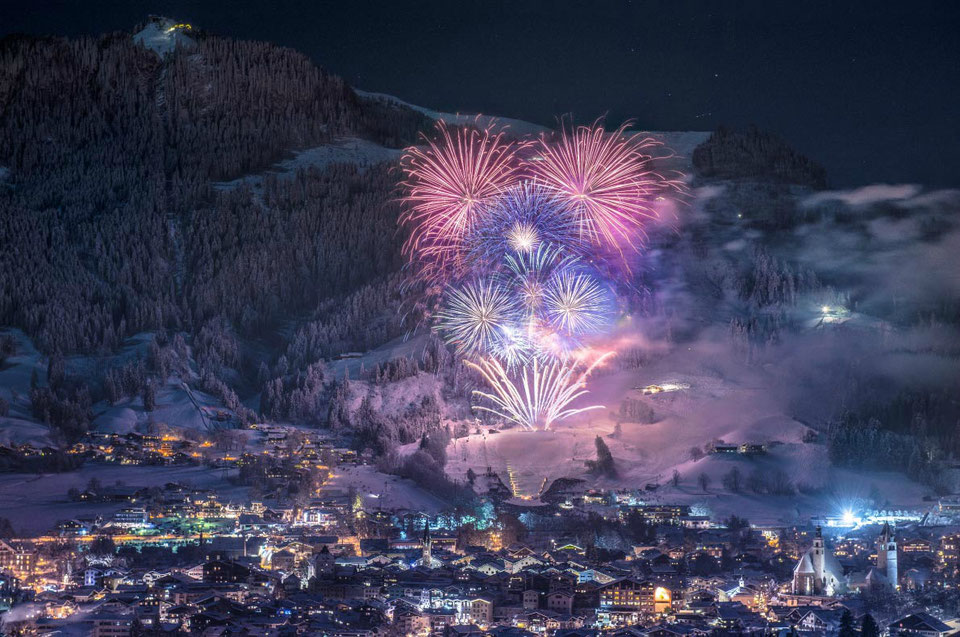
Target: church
885,574
819,573
426,559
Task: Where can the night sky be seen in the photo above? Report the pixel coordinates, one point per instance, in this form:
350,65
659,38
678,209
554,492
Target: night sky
870,89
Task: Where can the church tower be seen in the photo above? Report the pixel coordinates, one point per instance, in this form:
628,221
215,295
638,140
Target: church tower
887,556
427,541
817,558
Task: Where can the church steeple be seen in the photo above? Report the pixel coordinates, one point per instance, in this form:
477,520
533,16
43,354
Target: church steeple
887,555
817,556
427,543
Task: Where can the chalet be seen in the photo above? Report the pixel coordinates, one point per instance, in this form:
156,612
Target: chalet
560,602
481,611
821,620
921,625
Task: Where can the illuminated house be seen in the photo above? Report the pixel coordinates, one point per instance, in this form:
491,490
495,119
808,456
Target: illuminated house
481,611
634,596
223,572
131,518
16,560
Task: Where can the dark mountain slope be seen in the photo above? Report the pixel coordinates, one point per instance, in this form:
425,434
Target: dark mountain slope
106,212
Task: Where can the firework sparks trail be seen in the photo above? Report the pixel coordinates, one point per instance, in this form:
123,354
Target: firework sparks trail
606,178
447,182
540,396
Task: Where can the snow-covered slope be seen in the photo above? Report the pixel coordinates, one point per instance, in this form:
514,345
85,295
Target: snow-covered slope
517,126
344,150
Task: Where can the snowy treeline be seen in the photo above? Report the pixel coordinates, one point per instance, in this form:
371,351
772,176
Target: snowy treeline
81,223
730,154
364,319
916,432
635,410
756,288
319,236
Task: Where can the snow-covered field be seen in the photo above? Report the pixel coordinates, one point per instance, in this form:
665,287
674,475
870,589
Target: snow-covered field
379,489
177,406
735,407
34,503
517,126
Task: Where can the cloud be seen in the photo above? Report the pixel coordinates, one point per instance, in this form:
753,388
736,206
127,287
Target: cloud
865,195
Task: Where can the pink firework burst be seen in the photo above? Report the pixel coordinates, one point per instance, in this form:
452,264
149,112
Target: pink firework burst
606,178
447,183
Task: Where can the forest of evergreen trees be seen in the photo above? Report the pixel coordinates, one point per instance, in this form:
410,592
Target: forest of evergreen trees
915,432
106,211
112,225
753,153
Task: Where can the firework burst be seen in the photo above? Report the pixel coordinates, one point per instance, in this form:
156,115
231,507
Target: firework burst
606,179
518,222
447,182
575,303
529,272
513,346
539,397
474,317
523,257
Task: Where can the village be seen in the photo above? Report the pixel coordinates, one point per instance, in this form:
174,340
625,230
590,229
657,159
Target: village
301,554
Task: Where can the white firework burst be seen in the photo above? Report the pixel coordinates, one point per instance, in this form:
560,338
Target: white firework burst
541,394
473,317
575,303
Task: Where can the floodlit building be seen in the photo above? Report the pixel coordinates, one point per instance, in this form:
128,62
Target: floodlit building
887,556
817,572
